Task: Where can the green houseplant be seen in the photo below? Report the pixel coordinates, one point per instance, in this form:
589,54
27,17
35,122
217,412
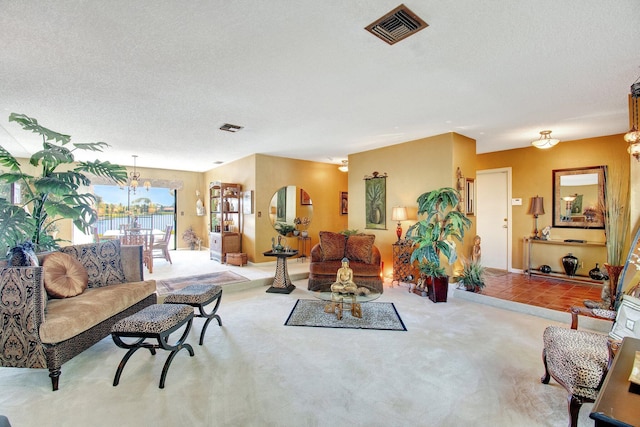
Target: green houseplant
433,235
55,194
472,276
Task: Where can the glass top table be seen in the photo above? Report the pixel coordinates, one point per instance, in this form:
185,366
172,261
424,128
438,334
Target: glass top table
336,302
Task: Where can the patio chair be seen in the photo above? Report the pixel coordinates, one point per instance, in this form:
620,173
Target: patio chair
161,247
579,360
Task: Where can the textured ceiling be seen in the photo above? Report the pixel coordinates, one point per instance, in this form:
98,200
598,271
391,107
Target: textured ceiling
305,80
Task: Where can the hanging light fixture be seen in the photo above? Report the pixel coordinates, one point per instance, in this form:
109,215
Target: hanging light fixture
344,167
545,141
134,178
633,136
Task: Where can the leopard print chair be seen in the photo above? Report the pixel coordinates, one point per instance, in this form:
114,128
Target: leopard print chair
579,360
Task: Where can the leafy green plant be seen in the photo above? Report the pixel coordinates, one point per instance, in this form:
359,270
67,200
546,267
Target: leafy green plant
54,194
283,228
434,234
472,276
431,269
347,232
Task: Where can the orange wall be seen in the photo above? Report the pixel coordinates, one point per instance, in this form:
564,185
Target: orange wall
532,175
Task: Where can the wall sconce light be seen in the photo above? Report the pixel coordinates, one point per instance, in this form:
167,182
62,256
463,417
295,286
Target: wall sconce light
344,167
536,208
545,141
399,214
633,136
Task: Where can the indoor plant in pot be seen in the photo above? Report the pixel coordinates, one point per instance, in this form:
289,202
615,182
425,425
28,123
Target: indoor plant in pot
433,235
190,238
55,194
472,276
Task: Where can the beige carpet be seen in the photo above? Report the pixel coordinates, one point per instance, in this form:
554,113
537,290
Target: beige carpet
222,278
459,363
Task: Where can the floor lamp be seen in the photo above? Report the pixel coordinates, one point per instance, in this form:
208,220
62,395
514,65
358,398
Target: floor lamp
536,208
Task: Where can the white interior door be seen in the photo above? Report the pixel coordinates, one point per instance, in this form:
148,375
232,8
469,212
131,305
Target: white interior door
493,216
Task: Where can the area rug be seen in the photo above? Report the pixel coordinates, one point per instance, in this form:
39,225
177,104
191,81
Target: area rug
375,315
168,286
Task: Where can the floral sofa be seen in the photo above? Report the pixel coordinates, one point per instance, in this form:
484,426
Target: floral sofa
359,249
53,311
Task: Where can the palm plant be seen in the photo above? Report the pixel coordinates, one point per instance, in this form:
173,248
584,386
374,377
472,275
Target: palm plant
433,234
54,194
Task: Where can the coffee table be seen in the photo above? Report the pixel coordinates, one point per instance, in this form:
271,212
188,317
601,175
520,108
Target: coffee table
336,302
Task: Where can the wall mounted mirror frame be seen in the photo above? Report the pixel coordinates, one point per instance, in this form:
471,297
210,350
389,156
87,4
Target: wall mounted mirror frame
288,204
578,195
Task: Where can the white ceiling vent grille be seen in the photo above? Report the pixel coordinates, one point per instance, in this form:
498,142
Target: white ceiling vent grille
230,128
396,25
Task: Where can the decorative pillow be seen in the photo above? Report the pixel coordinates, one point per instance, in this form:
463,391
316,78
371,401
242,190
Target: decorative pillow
101,260
360,247
332,245
64,276
22,255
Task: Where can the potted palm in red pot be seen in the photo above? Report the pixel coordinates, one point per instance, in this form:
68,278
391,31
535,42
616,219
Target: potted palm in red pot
434,235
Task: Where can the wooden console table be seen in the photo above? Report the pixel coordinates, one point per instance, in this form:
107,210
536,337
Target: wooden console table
527,250
615,404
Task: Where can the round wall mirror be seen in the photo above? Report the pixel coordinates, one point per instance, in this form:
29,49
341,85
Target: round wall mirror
290,210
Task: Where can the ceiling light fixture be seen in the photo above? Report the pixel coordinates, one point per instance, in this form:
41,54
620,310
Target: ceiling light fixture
545,141
134,178
633,136
344,167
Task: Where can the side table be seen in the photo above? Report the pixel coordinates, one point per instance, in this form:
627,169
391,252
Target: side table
616,405
304,244
281,282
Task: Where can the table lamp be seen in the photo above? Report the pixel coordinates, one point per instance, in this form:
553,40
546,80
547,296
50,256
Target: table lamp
399,214
536,208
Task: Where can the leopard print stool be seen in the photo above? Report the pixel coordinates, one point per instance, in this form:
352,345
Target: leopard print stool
155,321
199,296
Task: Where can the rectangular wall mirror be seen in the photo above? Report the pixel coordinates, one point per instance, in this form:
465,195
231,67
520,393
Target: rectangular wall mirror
578,195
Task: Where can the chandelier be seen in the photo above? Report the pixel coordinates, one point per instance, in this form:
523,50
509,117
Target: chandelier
134,178
344,167
633,136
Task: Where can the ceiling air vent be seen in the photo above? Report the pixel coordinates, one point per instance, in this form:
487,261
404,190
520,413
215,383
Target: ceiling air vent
396,25
230,128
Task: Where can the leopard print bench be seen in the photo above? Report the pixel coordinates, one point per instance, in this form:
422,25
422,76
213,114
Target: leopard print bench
199,296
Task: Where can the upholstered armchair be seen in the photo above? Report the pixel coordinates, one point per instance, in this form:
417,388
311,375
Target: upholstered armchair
326,258
579,360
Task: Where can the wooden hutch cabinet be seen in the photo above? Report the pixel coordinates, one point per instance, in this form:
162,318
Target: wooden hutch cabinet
225,220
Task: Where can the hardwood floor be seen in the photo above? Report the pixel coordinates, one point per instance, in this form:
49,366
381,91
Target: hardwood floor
539,291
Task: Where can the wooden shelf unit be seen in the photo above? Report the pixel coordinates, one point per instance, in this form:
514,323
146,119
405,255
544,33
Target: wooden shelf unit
403,270
527,251
226,213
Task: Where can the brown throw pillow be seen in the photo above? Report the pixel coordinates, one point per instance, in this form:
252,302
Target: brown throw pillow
64,276
332,245
360,247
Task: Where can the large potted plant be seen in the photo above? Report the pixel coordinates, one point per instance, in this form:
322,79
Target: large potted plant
53,195
434,235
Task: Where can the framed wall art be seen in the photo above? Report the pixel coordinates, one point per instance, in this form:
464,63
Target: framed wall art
376,201
305,199
247,202
344,203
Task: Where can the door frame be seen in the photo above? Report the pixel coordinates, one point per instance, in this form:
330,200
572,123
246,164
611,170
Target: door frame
509,172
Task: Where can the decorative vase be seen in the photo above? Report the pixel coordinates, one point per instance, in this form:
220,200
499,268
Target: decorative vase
545,269
614,274
570,264
595,273
304,233
296,232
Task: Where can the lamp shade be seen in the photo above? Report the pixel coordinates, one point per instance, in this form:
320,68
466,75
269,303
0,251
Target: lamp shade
537,207
399,214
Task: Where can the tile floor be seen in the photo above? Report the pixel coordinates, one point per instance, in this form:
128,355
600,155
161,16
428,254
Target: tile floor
540,291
